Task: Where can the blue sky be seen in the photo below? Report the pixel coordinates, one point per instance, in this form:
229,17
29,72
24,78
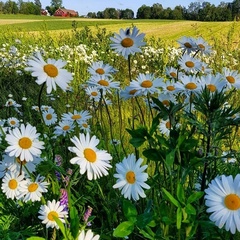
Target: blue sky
85,6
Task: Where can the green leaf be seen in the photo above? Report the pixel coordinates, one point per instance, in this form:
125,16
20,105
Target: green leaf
170,158
179,217
35,238
124,229
195,196
144,219
61,226
180,193
129,210
137,142
171,198
147,234
190,209
74,221
152,154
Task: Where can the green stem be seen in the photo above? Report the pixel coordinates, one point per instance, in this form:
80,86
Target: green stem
39,102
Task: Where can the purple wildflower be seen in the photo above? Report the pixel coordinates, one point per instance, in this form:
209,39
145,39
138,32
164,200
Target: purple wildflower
64,199
86,216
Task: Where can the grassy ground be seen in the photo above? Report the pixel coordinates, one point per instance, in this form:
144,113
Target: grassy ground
164,29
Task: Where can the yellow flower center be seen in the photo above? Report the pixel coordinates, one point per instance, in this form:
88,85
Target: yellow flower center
201,46
76,117
211,87
173,74
170,88
32,187
12,122
146,84
132,92
50,70
66,127
127,42
190,64
85,125
49,116
94,94
230,79
191,86
168,125
51,215
100,71
12,184
25,142
232,201
166,102
103,82
90,155
130,177
187,45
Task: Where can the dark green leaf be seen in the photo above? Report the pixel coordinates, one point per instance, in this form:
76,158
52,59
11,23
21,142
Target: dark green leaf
180,193
190,209
74,221
144,219
129,210
179,217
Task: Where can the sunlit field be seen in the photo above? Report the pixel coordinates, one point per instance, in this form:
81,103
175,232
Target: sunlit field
119,129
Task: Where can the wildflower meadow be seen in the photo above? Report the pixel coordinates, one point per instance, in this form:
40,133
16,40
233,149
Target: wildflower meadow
115,136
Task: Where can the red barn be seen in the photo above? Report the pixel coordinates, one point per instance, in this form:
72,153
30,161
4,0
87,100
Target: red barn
62,12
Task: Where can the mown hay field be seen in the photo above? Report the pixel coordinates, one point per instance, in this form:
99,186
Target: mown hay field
169,30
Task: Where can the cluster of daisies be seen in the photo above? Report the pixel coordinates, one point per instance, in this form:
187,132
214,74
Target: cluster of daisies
25,145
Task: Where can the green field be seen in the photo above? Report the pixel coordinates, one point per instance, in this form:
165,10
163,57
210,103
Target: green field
164,29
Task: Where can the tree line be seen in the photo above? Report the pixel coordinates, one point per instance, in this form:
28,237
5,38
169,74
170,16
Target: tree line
204,11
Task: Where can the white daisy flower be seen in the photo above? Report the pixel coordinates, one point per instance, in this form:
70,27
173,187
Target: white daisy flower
12,184
51,210
32,191
14,164
131,178
63,128
24,143
223,202
189,64
99,68
188,44
232,78
146,83
127,43
89,235
103,83
85,127
49,116
13,122
50,72
188,85
90,159
168,87
93,93
128,92
227,157
203,46
213,82
165,99
173,73
76,116
165,126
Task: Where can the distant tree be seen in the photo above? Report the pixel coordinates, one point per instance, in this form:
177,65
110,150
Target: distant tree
156,10
91,15
176,13
10,7
51,9
193,10
236,9
166,13
1,7
29,8
99,14
38,3
56,3
126,14
111,13
144,12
